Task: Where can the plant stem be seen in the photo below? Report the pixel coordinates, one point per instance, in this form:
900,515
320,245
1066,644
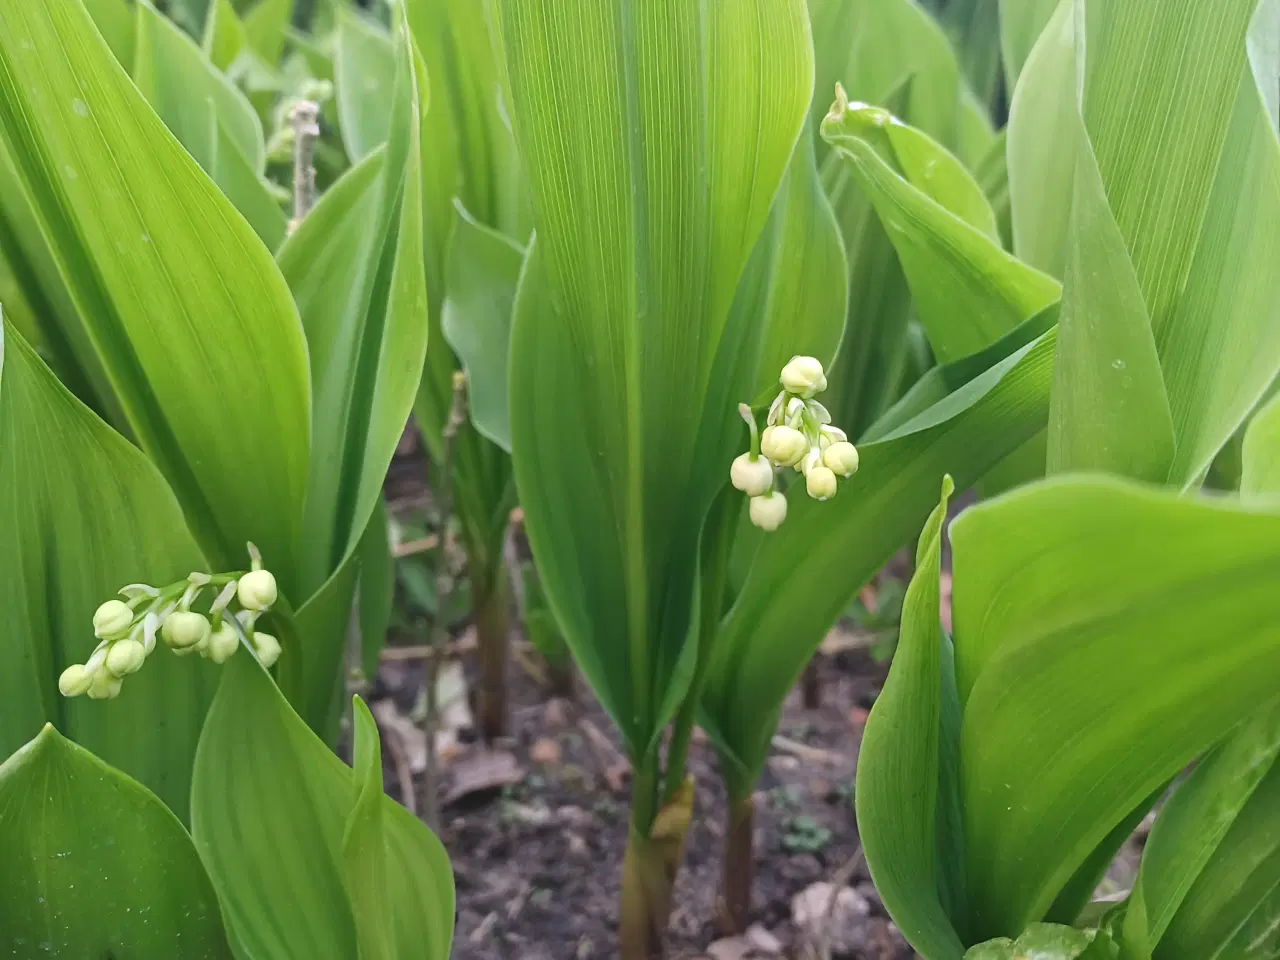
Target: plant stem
655,845
439,630
733,907
355,678
811,685
490,599
304,117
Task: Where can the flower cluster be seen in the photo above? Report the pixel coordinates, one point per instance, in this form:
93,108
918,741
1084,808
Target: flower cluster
799,434
127,629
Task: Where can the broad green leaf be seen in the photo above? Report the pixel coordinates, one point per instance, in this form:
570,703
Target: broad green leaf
806,574
364,847
453,36
481,276
654,137
210,374
873,358
115,21
974,29
968,292
898,763
59,333
1190,167
190,94
992,174
377,588
95,866
1109,411
1040,941
356,266
322,624
364,74
209,114
224,35
1021,23
1221,347
264,27
877,47
1230,911
794,295
1261,474
398,875
1106,682
330,263
1044,104
269,814
85,513
976,131
1193,824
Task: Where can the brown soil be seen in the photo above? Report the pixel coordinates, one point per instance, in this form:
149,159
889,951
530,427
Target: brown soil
537,862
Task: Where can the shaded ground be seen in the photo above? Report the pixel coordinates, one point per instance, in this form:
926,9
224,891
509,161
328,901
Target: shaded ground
537,862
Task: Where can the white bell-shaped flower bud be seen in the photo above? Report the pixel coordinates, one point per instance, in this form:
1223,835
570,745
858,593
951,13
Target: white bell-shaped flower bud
804,377
783,445
754,477
768,512
125,657
184,630
257,590
267,647
820,482
223,644
105,686
75,680
112,619
841,458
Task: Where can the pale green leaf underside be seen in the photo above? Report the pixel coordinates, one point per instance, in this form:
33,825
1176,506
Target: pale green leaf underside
481,276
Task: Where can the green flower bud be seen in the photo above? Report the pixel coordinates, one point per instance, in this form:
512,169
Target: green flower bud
112,619
104,686
257,590
841,458
820,483
783,445
768,512
804,377
184,630
267,646
223,644
752,477
125,657
75,680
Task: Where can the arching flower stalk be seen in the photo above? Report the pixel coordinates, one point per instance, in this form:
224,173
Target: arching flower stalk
798,434
127,629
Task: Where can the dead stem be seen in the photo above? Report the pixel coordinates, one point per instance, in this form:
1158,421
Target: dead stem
304,117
